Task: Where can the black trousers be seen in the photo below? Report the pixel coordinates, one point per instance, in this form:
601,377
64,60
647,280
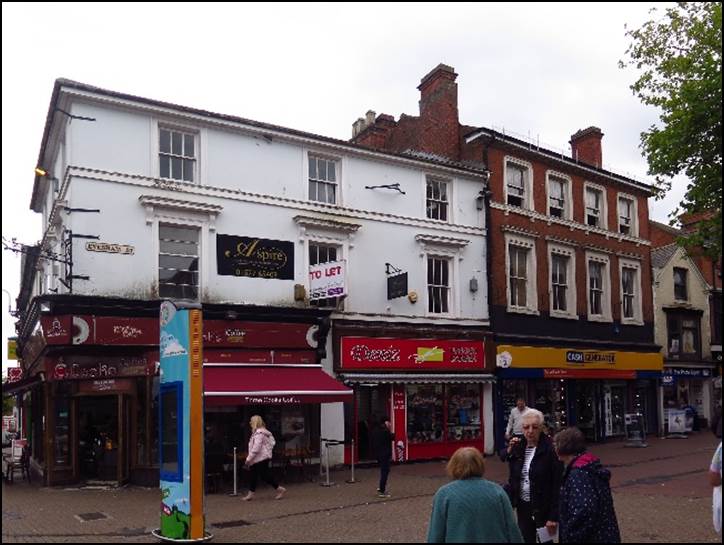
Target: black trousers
261,469
384,473
527,523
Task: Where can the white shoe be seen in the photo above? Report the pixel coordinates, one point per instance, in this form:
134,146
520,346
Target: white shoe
280,493
248,497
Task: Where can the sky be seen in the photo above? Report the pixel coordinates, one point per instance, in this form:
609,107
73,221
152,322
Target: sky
542,71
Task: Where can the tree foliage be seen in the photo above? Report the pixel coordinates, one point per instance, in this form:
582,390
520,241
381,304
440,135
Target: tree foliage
679,59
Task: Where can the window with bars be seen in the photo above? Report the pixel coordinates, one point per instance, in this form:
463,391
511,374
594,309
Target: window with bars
516,181
595,288
323,253
559,282
557,197
437,199
322,180
518,275
178,262
177,155
628,287
438,285
626,216
681,292
594,207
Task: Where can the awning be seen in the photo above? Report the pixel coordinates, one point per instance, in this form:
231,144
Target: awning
271,384
17,387
416,378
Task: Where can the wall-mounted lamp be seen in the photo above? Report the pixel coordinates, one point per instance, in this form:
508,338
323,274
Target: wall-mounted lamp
39,171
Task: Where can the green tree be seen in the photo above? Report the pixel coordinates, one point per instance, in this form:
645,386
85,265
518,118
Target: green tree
679,59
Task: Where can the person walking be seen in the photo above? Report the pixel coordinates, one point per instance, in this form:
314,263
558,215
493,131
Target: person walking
382,438
471,509
586,507
261,445
534,481
515,420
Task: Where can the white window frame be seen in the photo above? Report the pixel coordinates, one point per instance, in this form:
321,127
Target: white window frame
634,225
156,150
531,271
571,299
528,201
567,194
337,160
450,260
605,315
637,318
452,249
448,194
603,224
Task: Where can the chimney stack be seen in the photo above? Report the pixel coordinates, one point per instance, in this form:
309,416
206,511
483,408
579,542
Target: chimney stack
440,127
586,146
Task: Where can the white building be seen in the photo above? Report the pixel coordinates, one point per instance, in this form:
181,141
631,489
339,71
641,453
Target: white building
150,200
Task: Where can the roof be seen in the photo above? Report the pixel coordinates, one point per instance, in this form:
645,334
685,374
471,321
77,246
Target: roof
661,256
667,228
556,156
70,84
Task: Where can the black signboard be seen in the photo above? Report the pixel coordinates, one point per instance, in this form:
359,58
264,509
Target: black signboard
397,286
254,257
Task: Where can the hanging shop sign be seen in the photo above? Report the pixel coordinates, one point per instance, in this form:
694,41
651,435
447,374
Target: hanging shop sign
254,257
417,354
397,286
327,280
570,358
109,248
15,374
12,348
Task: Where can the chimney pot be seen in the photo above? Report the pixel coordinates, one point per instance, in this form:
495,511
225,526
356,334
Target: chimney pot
586,146
370,117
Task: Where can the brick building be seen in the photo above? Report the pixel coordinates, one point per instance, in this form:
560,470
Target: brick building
569,261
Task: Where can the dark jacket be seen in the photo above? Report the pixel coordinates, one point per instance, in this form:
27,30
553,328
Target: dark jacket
586,506
545,478
382,442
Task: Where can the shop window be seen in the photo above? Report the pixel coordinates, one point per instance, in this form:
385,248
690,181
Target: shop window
550,399
61,436
463,410
424,413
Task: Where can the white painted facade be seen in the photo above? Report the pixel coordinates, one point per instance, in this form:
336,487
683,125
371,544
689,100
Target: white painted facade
253,181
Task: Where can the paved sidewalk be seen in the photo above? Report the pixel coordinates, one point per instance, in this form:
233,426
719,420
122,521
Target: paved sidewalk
661,495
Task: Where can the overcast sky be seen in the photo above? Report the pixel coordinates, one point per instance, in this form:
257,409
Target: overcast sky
544,70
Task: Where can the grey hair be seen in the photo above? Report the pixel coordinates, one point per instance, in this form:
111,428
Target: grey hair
533,414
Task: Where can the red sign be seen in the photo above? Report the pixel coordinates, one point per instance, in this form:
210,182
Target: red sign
417,354
99,367
15,374
589,373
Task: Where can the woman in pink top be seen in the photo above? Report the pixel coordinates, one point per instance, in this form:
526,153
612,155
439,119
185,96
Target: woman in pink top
261,445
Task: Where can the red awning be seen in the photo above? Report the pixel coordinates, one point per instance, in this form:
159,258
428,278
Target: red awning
271,384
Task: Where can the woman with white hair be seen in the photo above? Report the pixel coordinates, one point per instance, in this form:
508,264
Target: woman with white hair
535,477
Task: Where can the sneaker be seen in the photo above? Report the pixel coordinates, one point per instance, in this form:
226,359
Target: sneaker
384,495
248,497
280,493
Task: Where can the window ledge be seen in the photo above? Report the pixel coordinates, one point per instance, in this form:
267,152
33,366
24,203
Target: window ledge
520,310
564,315
631,321
602,319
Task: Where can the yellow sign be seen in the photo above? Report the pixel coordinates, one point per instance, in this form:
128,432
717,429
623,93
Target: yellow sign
430,354
529,357
12,349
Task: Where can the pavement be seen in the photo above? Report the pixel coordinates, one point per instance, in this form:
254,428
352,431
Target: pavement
661,494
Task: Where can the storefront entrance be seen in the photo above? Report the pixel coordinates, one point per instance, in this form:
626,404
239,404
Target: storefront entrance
373,403
103,432
614,406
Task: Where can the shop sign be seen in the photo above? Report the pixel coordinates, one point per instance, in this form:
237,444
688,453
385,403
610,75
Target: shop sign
398,401
12,348
589,373
259,334
327,280
215,356
667,380
396,286
106,386
92,367
417,354
254,257
114,330
15,374
56,329
568,358
271,400
687,373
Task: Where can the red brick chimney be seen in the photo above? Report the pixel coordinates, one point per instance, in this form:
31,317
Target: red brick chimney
439,124
586,146
373,132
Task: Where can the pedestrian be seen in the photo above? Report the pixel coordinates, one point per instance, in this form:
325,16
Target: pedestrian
534,480
261,445
715,481
514,420
471,509
586,505
382,438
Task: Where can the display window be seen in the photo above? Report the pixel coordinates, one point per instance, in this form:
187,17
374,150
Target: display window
437,413
463,410
550,399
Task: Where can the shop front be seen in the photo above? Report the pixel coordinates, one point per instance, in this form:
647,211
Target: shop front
689,388
435,390
587,388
